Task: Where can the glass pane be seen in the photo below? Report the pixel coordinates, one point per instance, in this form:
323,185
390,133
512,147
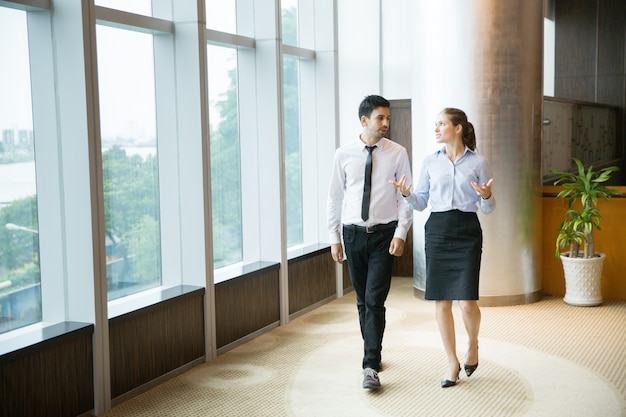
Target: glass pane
293,149
290,22
576,130
225,156
221,15
143,7
129,160
20,278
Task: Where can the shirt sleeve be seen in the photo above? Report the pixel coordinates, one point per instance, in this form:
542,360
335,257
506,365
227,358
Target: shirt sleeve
418,199
405,214
335,201
489,204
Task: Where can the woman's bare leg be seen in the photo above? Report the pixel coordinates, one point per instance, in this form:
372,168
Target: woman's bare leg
445,321
471,320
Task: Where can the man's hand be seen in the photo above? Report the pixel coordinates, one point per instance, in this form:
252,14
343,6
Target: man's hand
397,247
336,250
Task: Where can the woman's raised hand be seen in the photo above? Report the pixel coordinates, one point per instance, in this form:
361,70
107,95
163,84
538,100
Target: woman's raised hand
402,186
483,190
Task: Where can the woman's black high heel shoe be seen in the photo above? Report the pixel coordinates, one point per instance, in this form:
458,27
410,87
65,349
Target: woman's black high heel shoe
445,383
469,369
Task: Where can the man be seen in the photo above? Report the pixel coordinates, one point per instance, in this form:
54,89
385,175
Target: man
374,220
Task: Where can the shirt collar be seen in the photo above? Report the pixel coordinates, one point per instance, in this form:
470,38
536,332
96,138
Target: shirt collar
380,144
442,151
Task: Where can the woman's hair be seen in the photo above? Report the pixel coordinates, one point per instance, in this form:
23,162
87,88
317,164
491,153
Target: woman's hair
458,117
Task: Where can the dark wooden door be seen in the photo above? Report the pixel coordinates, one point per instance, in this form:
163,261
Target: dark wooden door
400,132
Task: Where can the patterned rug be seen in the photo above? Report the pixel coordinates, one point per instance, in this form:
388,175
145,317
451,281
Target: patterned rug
540,359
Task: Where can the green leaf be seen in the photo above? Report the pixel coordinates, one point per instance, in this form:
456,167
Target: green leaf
582,189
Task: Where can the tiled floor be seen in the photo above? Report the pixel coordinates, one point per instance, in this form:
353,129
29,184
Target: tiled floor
541,359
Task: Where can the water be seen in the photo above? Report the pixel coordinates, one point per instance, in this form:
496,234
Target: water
18,180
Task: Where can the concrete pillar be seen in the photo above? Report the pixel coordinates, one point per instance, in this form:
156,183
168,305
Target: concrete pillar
485,57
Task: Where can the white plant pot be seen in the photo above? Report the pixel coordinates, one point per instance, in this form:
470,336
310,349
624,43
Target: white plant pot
583,284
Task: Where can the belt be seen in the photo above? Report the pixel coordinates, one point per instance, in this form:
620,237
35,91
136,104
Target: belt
372,229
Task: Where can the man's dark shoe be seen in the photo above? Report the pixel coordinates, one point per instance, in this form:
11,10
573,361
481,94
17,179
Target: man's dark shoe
370,379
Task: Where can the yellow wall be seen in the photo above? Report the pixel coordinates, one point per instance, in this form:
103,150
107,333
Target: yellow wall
611,240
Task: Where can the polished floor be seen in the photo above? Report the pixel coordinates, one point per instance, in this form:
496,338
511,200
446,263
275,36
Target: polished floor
542,359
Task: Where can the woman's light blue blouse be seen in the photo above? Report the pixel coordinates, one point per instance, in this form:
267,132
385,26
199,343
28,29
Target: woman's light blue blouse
448,185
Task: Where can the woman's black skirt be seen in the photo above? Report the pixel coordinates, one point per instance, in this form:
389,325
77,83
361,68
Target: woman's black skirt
454,241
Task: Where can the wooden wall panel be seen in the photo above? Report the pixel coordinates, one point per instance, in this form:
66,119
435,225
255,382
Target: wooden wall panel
611,49
246,304
575,88
611,19
148,343
590,38
312,279
590,55
400,131
51,378
575,25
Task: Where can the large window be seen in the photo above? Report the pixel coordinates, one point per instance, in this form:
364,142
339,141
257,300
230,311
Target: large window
293,149
108,134
289,24
136,6
225,156
135,68
221,15
20,278
129,160
292,125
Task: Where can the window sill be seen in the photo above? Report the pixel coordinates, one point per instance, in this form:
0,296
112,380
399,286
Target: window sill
149,298
240,270
30,340
303,252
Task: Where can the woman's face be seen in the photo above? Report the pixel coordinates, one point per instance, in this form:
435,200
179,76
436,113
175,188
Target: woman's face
445,131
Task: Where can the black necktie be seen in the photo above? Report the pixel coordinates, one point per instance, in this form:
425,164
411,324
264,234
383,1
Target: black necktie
365,206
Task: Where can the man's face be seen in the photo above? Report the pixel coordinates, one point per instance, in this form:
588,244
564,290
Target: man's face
377,125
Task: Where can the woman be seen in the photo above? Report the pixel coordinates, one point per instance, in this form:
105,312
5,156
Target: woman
456,181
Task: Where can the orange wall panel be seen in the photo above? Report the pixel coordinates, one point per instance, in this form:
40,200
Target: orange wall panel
611,240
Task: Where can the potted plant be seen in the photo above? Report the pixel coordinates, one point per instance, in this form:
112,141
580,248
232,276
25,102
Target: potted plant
582,268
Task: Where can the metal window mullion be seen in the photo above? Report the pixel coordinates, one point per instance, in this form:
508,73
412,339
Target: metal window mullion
133,21
218,38
297,51
27,5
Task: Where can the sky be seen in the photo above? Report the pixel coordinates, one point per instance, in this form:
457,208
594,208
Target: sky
134,114
15,107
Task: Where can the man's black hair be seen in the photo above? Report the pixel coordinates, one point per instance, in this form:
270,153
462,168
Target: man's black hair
370,103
